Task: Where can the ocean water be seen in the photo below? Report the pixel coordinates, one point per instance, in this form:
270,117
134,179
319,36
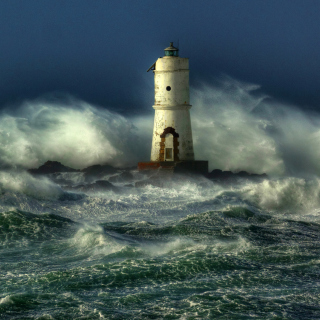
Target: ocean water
194,249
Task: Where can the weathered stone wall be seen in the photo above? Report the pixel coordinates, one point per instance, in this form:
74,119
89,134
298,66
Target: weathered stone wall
172,108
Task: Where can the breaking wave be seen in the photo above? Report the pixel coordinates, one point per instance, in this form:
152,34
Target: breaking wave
22,182
235,127
74,133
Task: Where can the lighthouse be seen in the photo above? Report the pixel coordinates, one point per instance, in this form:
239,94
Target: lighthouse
172,135
172,144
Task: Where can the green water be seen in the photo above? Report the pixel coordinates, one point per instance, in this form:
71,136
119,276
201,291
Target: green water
220,264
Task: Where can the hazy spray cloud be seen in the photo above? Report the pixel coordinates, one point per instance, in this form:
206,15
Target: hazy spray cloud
238,128
229,133
235,127
76,133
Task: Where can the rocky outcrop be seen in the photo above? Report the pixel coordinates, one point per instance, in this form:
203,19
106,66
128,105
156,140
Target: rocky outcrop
92,176
52,167
225,176
159,178
56,167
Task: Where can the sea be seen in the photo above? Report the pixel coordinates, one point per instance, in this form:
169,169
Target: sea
191,248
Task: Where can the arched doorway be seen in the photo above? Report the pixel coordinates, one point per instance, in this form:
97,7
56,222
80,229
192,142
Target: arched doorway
169,145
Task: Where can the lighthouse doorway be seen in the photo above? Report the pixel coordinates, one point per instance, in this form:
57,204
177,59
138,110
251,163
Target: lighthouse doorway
169,145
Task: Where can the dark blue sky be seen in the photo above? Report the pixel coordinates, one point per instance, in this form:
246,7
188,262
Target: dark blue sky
99,50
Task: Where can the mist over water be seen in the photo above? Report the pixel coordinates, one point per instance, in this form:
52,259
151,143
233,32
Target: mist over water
74,133
235,127
239,128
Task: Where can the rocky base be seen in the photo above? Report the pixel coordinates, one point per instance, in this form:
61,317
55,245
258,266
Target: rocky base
196,166
103,177
220,175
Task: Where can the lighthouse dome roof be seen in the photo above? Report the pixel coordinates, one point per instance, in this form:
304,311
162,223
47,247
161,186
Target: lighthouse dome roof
171,51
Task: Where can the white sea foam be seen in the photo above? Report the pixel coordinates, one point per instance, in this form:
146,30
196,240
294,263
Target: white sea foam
238,128
294,195
22,182
185,245
178,244
6,299
235,247
93,240
74,133
45,316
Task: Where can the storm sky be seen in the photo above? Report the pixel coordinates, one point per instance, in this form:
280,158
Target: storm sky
99,51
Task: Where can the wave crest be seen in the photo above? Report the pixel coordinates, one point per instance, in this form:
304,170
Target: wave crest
74,133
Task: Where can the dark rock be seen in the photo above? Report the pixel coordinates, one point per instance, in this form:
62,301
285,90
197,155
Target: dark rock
255,176
220,175
227,176
51,167
194,167
216,172
129,168
243,174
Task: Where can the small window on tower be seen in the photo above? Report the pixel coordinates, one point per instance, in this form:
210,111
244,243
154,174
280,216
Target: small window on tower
168,88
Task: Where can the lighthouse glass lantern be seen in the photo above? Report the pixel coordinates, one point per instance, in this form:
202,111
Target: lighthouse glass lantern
171,51
172,135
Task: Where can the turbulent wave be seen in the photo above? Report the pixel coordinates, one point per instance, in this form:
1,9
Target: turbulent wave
20,228
193,249
233,263
22,182
290,195
287,195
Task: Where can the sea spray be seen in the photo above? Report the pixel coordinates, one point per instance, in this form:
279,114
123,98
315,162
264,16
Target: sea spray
235,126
37,187
285,195
74,133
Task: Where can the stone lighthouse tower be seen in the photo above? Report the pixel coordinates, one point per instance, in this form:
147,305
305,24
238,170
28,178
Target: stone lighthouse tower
172,142
172,135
